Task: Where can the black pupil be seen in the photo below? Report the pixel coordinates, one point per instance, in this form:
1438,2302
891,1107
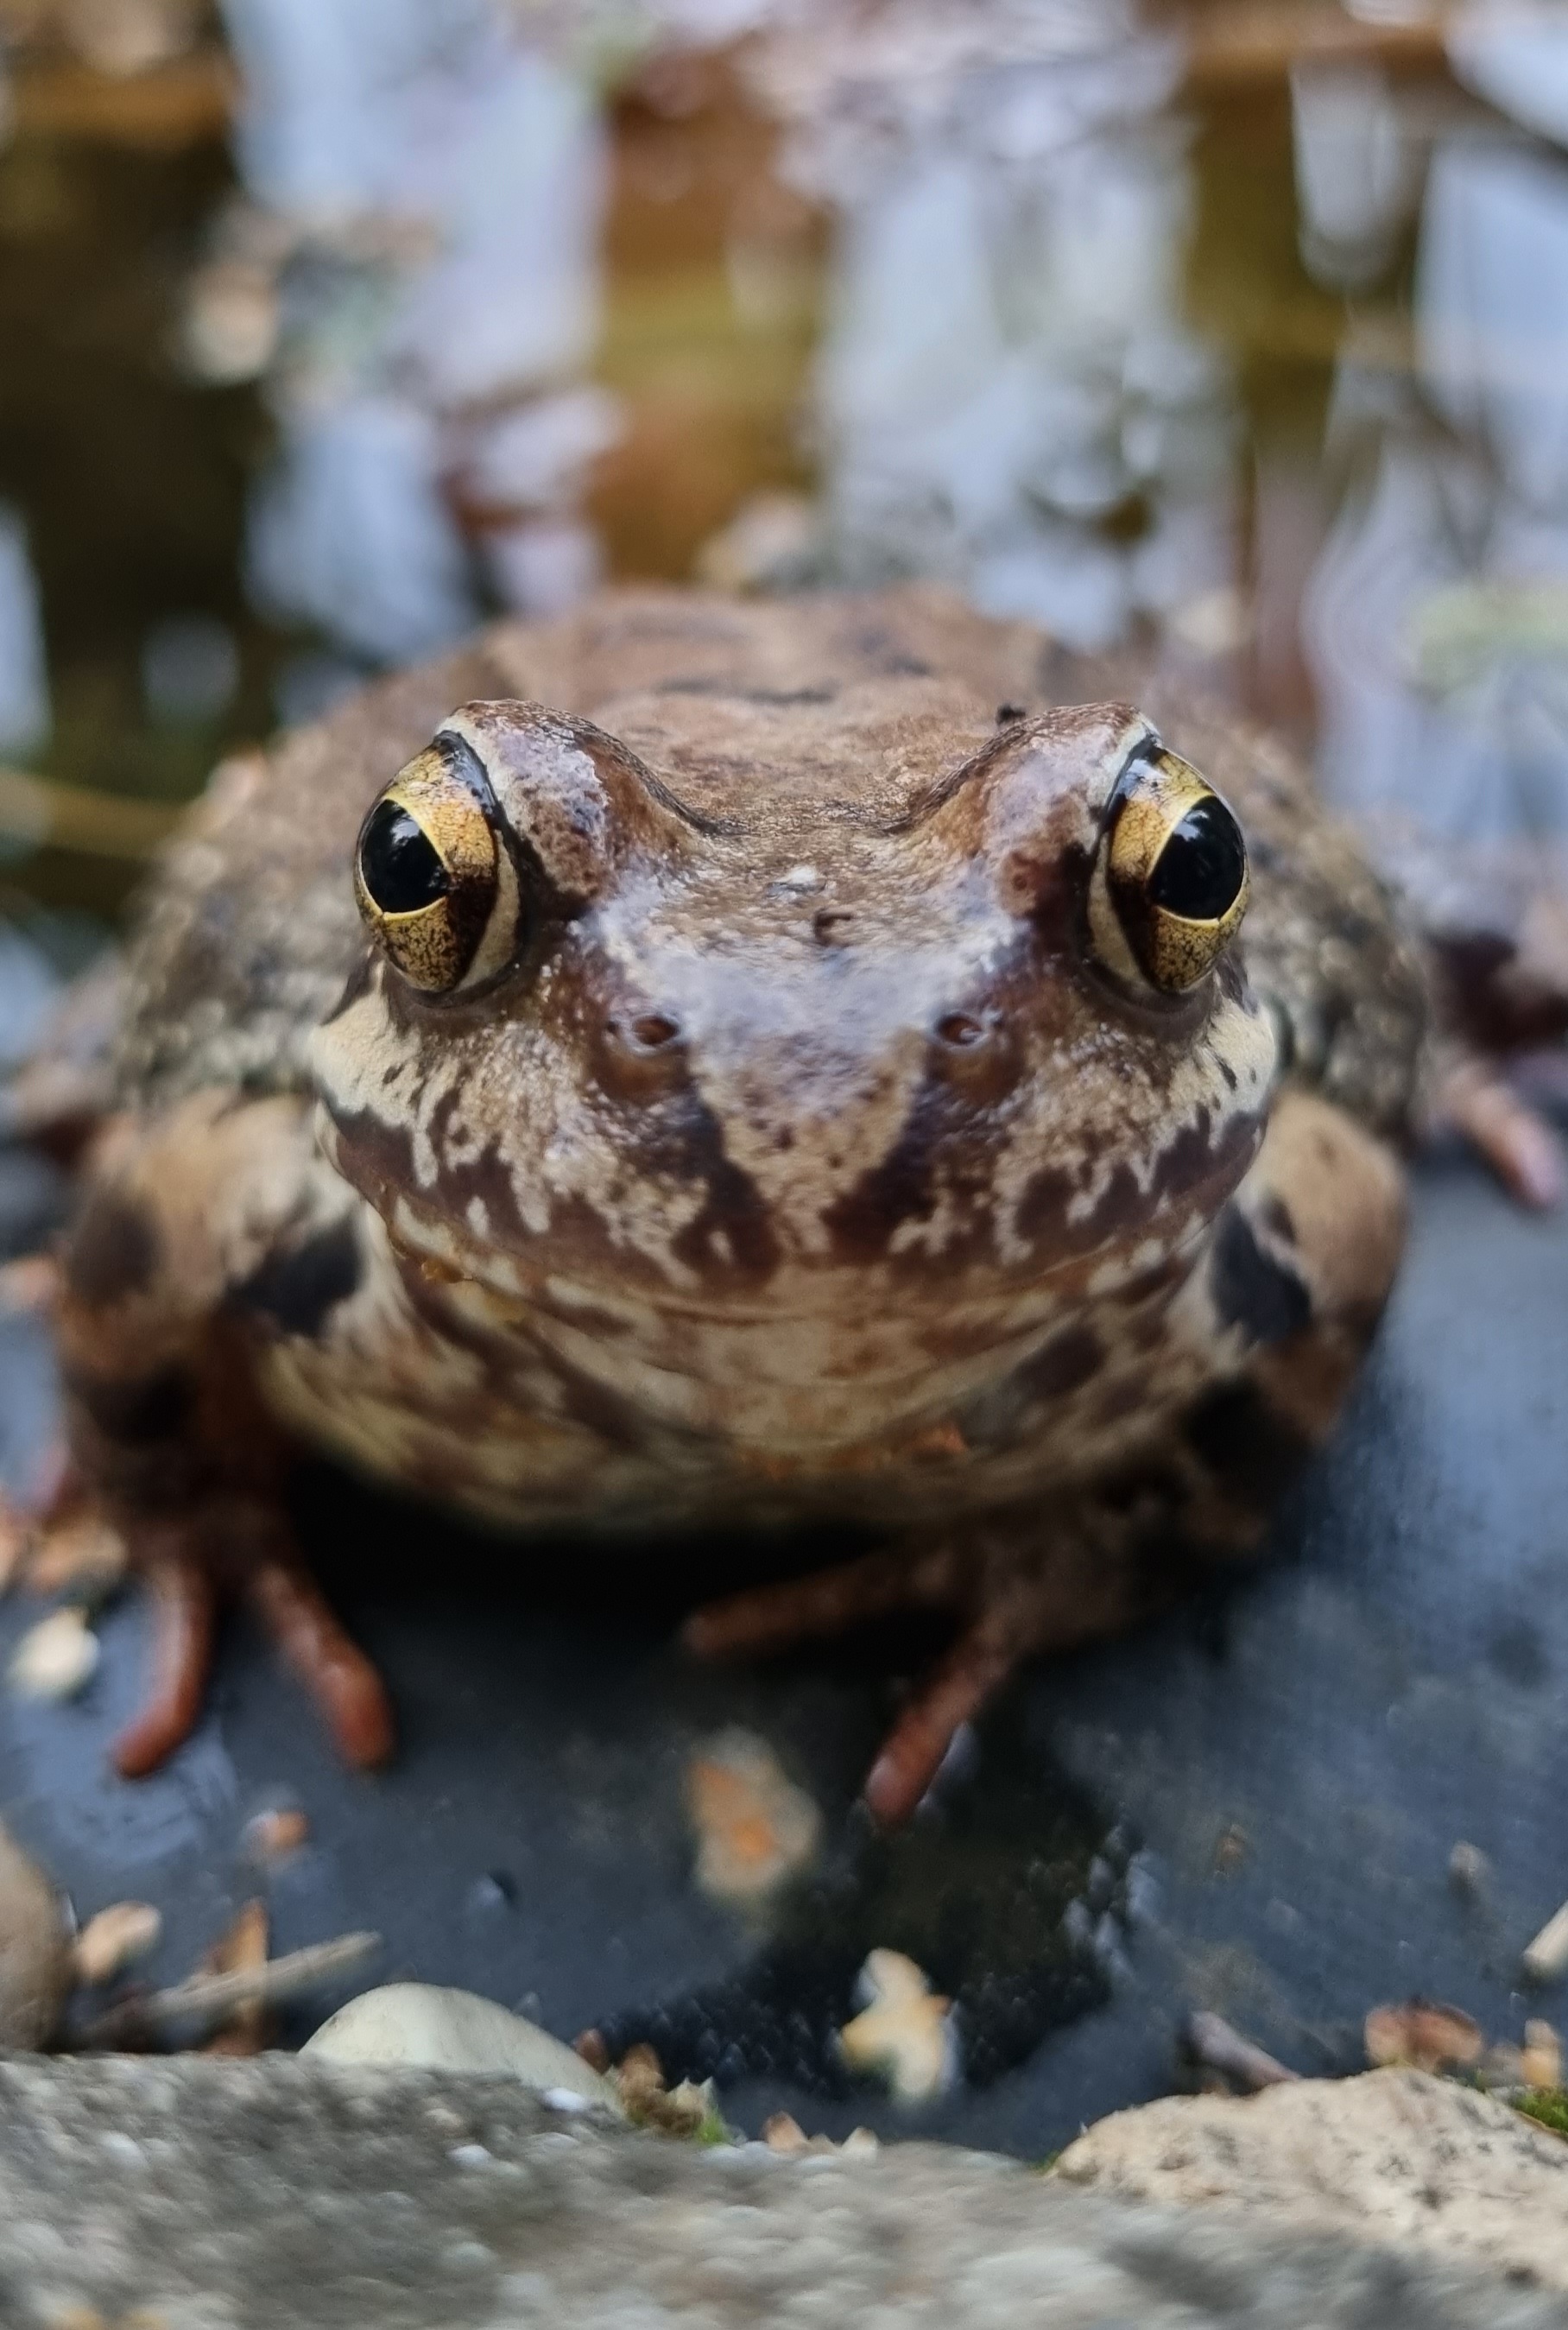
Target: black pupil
1201,867
397,865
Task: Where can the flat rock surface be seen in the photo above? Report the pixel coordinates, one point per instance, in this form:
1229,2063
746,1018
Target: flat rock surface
1394,2155
276,2195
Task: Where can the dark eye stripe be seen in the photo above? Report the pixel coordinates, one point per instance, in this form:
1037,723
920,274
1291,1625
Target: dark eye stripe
399,869
1202,866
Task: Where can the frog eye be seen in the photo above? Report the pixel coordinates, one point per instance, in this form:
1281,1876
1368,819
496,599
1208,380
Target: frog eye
433,883
1175,873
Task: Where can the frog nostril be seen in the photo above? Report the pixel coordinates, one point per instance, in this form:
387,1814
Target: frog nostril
958,1029
654,1029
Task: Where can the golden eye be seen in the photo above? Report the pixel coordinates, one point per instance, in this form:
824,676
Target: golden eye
433,884
1176,871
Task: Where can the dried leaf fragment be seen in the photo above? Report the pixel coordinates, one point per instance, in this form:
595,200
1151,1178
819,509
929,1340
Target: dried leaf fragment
110,1940
274,1834
905,2034
785,2135
1541,2060
242,1949
1423,2034
755,1828
639,2081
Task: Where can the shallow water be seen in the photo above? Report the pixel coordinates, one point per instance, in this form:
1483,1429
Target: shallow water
1239,332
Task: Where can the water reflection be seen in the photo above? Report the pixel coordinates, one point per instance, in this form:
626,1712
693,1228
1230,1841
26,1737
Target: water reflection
420,249
1009,395
529,295
24,718
1438,615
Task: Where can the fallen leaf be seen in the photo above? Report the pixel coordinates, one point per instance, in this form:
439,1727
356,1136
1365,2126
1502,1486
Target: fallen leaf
240,1950
755,1828
274,1834
905,2034
110,1940
1428,2037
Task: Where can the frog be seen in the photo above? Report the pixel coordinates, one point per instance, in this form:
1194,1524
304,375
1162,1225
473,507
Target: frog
755,1067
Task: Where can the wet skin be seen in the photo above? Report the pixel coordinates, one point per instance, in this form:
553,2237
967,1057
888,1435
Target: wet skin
735,1063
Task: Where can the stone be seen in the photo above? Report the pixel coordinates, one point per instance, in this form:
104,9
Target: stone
35,1956
1394,2156
419,2023
292,2193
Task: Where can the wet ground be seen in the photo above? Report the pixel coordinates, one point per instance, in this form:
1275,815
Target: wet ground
1234,331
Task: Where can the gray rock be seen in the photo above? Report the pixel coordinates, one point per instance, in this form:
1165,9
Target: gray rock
35,1951
1394,2156
285,2195
419,2025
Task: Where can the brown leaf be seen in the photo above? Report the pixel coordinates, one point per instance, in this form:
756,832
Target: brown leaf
240,1950
1428,2036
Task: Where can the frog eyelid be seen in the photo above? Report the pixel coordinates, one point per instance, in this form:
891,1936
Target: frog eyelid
473,924
1137,929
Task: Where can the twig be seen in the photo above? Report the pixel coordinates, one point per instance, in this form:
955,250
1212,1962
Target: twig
210,1996
1547,1955
1212,2043
69,817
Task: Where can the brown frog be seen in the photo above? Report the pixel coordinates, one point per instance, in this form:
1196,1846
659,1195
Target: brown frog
734,1063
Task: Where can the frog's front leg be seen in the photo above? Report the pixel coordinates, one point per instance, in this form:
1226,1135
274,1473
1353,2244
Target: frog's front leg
1260,1346
186,1221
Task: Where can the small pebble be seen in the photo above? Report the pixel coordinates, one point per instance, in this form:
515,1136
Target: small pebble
55,1658
470,2155
1547,1955
124,1931
274,1834
905,2034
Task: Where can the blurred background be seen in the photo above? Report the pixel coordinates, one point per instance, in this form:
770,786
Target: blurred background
1234,333
328,327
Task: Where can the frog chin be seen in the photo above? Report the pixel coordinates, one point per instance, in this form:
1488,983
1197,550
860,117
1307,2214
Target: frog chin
828,1366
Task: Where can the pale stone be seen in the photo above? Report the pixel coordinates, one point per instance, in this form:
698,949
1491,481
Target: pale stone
1394,2156
419,2023
55,1658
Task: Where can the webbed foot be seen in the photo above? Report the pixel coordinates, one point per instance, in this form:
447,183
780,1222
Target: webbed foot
236,1545
248,1549
1012,1606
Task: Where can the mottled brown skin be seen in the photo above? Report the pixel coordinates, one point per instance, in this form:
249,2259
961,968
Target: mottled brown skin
817,1147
